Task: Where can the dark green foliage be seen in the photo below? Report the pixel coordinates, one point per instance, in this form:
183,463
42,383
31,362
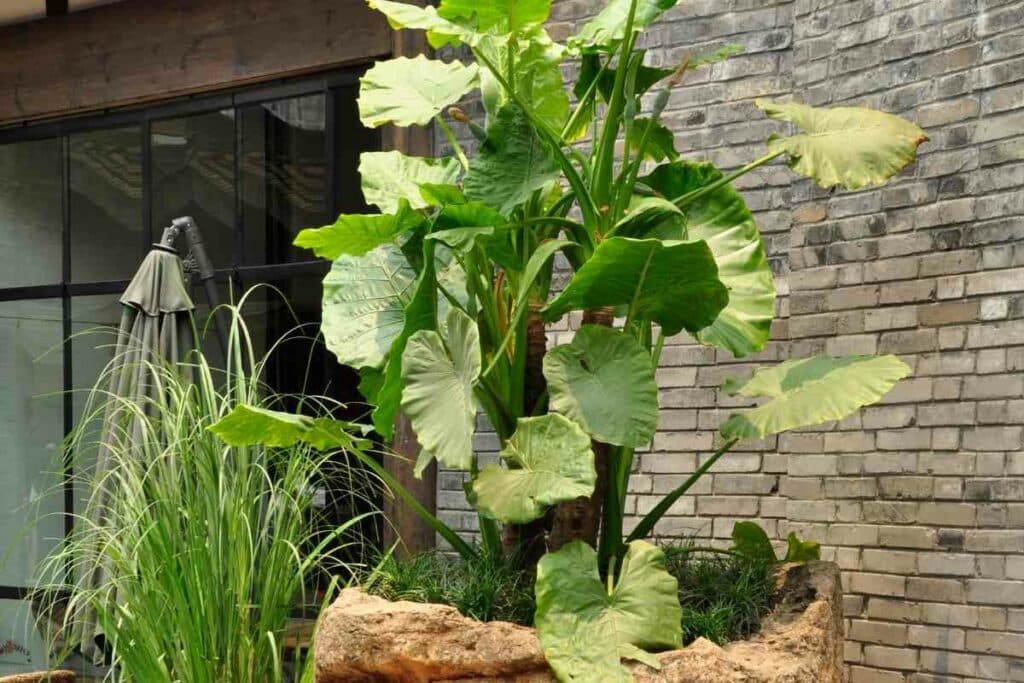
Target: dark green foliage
723,595
482,588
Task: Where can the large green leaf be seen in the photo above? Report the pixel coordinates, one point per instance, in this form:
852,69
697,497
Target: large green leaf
249,425
440,31
550,461
439,375
409,92
419,314
809,391
511,165
608,27
536,77
500,16
604,380
675,284
357,234
848,146
388,177
722,219
363,304
586,630
798,550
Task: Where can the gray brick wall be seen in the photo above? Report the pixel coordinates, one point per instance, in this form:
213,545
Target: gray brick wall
919,500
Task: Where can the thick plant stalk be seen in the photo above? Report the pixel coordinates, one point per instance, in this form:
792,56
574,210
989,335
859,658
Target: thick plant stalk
526,542
580,519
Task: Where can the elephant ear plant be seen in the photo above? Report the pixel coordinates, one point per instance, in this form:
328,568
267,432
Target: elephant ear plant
441,299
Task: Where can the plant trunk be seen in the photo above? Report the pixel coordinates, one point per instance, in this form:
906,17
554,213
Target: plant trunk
580,519
526,542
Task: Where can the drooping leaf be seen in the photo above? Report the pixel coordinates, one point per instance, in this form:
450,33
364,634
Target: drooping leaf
419,314
722,219
659,142
809,391
537,77
388,177
357,234
439,375
249,425
499,16
585,630
750,540
550,462
848,146
363,305
409,92
801,551
608,27
511,165
675,284
440,32
604,380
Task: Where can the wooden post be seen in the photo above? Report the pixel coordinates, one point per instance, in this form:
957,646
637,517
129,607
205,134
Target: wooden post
404,524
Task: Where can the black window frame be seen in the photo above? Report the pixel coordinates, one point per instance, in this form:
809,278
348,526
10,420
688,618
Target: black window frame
331,84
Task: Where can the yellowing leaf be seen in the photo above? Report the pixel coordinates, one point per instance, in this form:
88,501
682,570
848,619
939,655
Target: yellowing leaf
848,146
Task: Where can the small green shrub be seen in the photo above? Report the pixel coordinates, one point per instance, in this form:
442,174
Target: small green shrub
483,588
723,596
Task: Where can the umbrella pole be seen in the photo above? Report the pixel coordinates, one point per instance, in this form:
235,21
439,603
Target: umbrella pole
207,275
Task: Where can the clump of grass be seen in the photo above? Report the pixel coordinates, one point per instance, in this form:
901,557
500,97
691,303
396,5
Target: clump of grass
191,555
723,595
484,588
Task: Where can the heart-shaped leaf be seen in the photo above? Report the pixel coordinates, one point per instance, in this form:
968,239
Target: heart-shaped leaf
249,425
409,92
504,16
809,391
801,551
721,219
439,375
550,461
388,177
537,76
586,630
357,234
608,27
604,380
675,284
363,305
440,32
848,146
511,165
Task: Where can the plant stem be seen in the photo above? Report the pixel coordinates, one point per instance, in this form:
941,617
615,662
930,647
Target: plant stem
694,195
647,523
456,147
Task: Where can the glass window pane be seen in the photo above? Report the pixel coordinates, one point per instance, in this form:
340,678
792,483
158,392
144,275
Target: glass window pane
30,213
32,425
194,175
106,204
284,176
351,140
22,649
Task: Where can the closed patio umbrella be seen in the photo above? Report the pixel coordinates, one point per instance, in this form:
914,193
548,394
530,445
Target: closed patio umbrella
156,327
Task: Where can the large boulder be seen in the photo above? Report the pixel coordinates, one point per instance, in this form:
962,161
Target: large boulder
365,639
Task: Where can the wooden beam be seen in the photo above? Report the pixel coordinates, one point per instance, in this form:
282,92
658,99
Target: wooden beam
146,50
56,8
405,525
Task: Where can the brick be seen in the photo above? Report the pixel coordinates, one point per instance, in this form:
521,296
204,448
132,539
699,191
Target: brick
935,637
878,584
990,592
935,590
890,657
879,632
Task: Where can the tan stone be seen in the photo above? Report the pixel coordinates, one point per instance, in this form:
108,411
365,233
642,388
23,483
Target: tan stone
364,639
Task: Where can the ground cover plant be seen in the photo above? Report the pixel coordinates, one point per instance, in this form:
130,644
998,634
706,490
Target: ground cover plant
441,299
206,549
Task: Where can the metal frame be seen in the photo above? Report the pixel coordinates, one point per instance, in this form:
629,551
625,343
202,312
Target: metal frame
328,84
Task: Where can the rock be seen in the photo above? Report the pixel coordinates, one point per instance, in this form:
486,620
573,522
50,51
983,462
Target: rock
365,639
59,676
